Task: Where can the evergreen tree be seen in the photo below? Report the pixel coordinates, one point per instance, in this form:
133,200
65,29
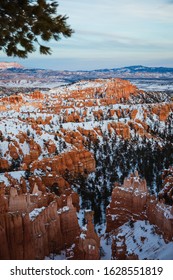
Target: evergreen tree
27,23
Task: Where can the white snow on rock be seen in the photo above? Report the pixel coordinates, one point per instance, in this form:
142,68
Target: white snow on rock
35,213
64,209
4,179
14,174
152,246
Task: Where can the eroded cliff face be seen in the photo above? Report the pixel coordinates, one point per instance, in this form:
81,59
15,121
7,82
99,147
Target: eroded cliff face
71,117
166,192
75,162
87,246
128,202
131,202
33,225
73,143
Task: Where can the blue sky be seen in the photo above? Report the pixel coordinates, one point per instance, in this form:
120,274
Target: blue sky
111,33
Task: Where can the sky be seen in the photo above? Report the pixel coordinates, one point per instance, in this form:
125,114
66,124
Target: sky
110,34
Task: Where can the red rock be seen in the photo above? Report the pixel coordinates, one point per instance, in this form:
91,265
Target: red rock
88,245
13,151
69,222
14,99
51,147
162,111
134,113
131,201
4,165
127,200
76,162
37,95
121,129
167,185
34,237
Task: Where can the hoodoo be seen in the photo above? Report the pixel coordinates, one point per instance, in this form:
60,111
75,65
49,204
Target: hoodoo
68,179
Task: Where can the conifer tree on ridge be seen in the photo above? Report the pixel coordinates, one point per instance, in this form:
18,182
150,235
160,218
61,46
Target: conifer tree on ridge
25,24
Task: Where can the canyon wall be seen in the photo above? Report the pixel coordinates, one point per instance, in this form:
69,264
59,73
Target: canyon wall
37,232
132,201
51,142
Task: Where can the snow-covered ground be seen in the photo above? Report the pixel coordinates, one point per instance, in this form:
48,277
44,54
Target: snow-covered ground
152,245
142,240
153,84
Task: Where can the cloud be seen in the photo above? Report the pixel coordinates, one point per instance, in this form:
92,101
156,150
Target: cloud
113,30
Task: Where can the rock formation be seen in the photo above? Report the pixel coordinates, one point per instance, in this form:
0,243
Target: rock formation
88,244
131,202
32,226
64,149
166,192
